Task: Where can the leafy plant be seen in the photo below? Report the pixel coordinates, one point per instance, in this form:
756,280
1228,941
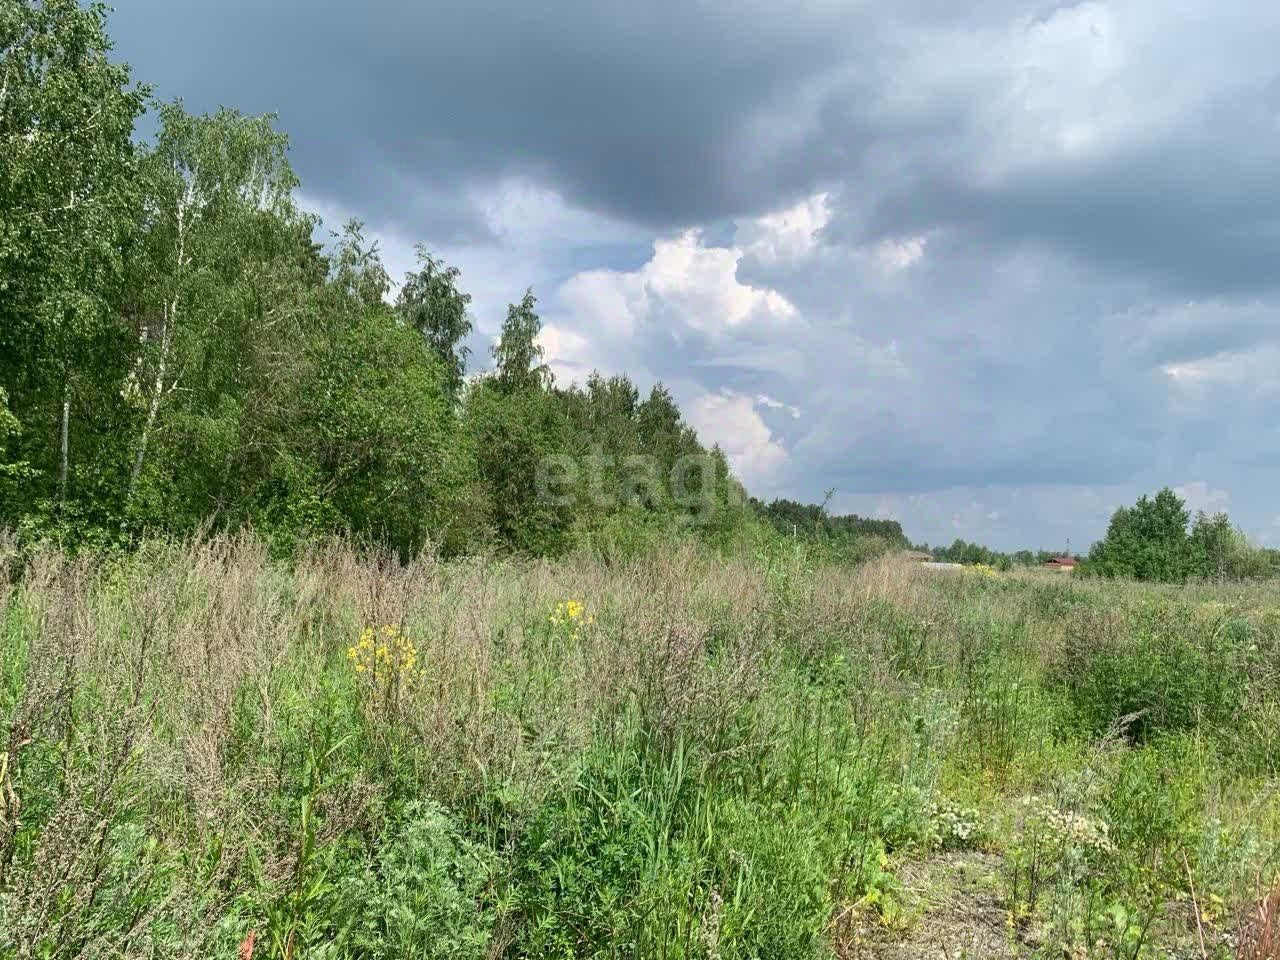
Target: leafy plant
422,894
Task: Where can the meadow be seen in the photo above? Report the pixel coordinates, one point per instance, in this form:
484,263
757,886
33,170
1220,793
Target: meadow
674,754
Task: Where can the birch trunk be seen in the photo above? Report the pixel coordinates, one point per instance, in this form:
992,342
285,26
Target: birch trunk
66,433
185,201
153,408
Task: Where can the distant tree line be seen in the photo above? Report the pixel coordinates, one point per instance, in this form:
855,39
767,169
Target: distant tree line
177,352
1158,539
847,535
962,551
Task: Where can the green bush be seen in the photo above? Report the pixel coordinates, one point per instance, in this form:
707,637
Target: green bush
421,895
1149,803
1157,679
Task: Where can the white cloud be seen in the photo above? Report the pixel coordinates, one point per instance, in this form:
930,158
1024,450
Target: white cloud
523,214
899,253
568,354
608,303
702,283
764,400
1065,78
694,286
686,291
731,420
1199,495
785,235
1256,367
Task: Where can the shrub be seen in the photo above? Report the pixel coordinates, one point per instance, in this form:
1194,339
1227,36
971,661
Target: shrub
1157,679
421,895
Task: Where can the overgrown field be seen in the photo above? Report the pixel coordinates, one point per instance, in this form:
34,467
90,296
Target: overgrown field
675,756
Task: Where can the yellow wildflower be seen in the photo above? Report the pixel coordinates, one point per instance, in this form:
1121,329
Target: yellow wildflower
569,616
385,659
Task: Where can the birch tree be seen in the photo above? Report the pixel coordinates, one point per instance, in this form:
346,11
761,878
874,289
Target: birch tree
219,213
517,356
68,196
431,303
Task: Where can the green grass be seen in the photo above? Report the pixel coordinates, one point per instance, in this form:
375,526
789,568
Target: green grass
725,757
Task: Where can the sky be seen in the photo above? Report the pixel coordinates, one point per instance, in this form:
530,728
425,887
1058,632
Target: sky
992,269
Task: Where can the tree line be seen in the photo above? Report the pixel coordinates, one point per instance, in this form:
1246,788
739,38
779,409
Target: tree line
1158,539
962,551
178,352
847,535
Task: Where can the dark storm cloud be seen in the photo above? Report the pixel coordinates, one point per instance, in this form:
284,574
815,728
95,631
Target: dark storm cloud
627,107
678,113
1197,222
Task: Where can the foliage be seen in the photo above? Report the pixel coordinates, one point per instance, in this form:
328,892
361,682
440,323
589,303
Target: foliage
419,896
1147,541
222,250
1151,541
967,553
517,355
791,517
377,430
1159,676
431,303
1220,551
11,473
69,199
513,434
358,279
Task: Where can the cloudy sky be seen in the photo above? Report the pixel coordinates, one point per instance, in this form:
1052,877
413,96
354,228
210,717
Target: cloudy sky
990,268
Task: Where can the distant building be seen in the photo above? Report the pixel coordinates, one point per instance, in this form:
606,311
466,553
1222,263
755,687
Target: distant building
1061,564
917,556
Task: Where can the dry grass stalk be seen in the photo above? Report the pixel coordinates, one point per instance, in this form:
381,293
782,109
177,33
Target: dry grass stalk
1259,934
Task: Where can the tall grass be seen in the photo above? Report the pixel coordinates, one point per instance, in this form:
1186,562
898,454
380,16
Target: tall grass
713,757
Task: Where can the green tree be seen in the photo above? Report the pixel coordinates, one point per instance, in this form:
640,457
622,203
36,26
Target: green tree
12,472
366,439
225,258
376,428
177,350
517,355
1212,545
1221,551
791,518
663,434
514,436
1147,541
358,272
68,197
431,303
662,429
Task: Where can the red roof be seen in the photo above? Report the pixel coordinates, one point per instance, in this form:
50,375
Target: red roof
1062,562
